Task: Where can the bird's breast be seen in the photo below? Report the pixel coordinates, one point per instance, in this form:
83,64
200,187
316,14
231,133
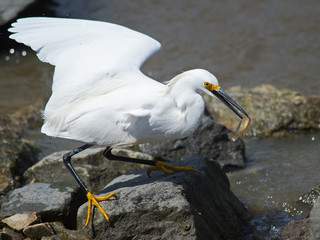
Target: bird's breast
174,120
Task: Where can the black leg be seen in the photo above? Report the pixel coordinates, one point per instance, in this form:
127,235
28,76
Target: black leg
156,165
67,163
108,154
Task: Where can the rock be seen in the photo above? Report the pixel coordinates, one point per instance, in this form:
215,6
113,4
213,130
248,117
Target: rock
64,233
315,221
310,197
52,237
16,154
29,116
273,111
308,228
93,168
21,220
10,9
47,230
296,230
186,205
53,231
5,236
38,231
52,202
7,233
210,141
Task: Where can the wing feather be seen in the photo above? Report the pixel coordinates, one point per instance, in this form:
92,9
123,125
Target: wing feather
84,51
91,59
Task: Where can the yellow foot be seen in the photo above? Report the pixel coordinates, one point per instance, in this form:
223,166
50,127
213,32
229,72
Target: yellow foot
168,169
93,200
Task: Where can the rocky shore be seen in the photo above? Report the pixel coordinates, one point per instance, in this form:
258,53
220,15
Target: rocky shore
274,112
41,200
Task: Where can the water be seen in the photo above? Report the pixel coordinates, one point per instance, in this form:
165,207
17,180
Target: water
244,43
278,172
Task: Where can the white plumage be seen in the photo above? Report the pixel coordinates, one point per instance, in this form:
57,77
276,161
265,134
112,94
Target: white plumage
99,95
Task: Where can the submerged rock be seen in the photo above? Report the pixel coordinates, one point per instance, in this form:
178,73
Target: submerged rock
210,141
186,205
273,111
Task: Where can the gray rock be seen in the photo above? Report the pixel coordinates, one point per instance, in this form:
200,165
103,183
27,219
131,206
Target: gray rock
210,141
93,168
315,221
10,9
273,111
56,201
186,205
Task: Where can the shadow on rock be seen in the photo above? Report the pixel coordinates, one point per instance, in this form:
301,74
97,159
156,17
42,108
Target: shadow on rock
192,205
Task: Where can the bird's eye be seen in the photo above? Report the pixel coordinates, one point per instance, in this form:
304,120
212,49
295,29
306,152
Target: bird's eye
206,84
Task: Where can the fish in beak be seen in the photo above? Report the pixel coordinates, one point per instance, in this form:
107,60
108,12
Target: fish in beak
233,106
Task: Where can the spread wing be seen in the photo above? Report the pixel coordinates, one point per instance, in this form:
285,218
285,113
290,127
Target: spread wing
86,53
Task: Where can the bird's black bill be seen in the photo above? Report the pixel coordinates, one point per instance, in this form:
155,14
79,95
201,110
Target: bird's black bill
230,103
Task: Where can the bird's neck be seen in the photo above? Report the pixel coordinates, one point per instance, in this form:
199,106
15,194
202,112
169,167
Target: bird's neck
190,105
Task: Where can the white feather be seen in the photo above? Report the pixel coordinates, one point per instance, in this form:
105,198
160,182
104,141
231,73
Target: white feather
99,94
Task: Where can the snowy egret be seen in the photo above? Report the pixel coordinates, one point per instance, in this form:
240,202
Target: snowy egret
100,96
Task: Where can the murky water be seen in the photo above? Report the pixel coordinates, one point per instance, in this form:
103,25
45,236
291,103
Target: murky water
278,172
244,43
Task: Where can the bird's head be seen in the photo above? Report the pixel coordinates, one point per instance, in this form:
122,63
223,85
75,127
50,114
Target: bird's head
208,84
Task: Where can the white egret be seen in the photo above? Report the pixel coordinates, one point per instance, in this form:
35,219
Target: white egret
100,96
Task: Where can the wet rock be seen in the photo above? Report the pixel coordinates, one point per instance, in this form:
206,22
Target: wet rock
10,9
210,141
38,231
186,205
56,201
21,220
93,168
308,228
296,230
315,221
310,197
16,154
273,111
